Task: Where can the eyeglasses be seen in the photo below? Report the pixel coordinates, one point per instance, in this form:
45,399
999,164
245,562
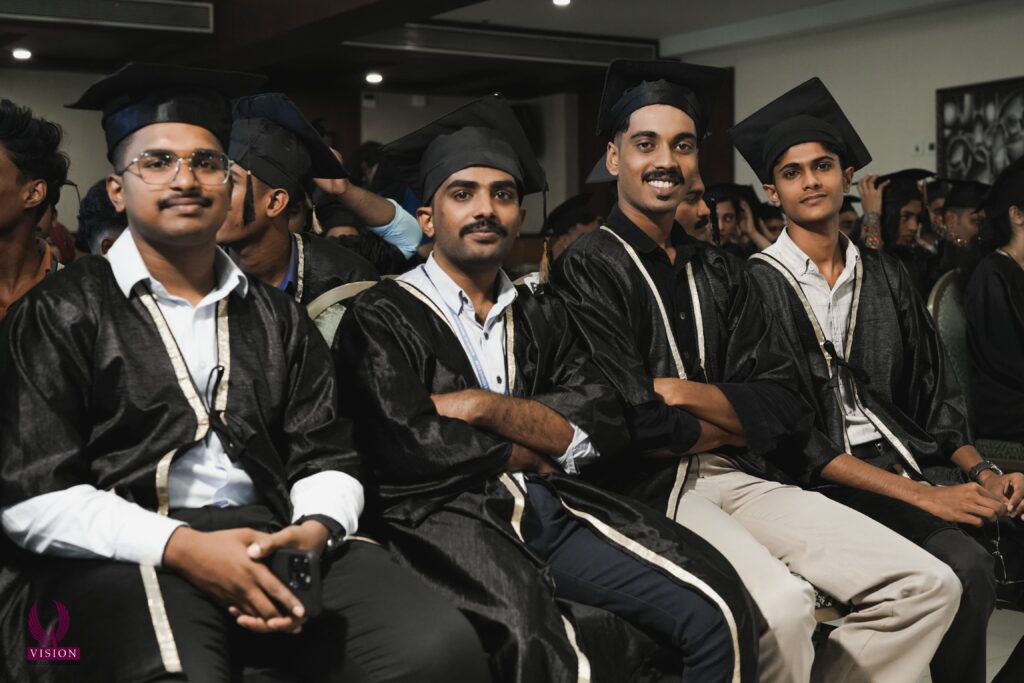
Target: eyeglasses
1003,577
161,168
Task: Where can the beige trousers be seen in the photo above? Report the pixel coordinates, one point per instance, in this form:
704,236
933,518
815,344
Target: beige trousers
903,598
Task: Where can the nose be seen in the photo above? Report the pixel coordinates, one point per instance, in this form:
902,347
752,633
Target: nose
184,176
703,210
663,158
811,180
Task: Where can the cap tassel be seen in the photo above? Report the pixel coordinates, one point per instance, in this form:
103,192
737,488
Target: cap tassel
248,209
318,228
545,261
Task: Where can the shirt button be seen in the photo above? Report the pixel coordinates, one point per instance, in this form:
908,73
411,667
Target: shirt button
682,316
499,380
687,356
486,336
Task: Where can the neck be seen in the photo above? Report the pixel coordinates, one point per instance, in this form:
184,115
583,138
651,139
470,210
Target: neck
821,244
656,226
267,256
477,283
1015,247
186,271
19,256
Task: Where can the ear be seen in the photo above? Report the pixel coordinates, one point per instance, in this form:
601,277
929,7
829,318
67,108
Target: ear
34,193
105,245
773,194
847,179
115,191
425,217
611,161
277,202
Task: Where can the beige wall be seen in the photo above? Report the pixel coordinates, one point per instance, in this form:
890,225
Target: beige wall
884,74
46,93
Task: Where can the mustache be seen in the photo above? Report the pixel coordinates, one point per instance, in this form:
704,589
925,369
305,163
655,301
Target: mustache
703,223
205,202
484,224
663,174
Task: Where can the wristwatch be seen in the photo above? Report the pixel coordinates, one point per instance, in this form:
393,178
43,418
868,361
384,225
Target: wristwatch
335,539
976,471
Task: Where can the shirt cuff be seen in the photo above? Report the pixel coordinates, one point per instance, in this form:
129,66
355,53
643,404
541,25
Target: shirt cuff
580,450
403,231
334,494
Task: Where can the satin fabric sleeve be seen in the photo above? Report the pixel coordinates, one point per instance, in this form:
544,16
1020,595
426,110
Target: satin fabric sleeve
995,327
598,306
928,391
379,359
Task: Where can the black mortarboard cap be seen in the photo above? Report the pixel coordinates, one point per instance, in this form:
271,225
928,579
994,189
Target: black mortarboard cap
484,132
726,191
273,140
632,84
807,113
905,176
567,215
1006,191
965,194
848,201
599,175
141,94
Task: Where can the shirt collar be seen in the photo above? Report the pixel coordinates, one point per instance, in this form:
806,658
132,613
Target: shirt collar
456,298
787,251
642,242
292,275
129,269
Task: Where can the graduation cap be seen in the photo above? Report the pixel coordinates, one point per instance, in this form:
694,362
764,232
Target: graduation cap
633,84
599,175
484,132
965,194
272,140
807,113
848,201
1006,191
568,215
905,177
141,94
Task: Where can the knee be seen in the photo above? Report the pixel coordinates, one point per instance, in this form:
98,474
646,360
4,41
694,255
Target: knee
789,611
449,650
940,586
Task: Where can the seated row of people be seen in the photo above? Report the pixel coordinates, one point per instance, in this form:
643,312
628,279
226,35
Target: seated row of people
662,433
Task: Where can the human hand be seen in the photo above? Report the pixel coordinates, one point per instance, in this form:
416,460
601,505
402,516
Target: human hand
964,504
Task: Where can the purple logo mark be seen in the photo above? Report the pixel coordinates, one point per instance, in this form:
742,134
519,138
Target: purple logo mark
49,649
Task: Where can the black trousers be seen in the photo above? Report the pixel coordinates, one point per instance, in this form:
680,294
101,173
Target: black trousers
589,569
379,623
961,654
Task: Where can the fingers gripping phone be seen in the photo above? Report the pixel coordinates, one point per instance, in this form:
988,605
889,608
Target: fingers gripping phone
299,571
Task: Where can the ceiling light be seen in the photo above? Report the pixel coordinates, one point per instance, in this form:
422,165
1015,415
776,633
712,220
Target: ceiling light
21,53
374,77
561,3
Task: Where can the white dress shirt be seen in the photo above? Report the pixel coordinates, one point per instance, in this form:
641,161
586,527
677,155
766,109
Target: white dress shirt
832,307
82,521
486,342
403,232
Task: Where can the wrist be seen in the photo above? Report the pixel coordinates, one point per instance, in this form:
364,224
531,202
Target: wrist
314,535
177,550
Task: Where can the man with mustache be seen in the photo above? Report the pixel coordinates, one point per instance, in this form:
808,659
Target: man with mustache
693,213
474,405
706,376
167,424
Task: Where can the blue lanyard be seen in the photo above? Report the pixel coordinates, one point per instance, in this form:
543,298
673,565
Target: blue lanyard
474,359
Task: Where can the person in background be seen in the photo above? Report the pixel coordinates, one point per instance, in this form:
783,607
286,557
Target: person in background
344,227
32,170
693,213
563,226
773,221
99,223
848,216
959,226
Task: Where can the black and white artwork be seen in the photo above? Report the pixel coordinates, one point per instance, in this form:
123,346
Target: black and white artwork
979,128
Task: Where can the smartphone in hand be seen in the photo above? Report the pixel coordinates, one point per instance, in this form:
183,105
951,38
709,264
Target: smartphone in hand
299,571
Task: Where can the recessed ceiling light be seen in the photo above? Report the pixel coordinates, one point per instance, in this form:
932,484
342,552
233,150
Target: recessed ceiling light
21,53
374,77
562,3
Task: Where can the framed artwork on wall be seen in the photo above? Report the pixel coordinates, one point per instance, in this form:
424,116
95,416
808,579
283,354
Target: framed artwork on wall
979,129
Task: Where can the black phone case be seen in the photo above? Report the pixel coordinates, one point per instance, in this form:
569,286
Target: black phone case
299,571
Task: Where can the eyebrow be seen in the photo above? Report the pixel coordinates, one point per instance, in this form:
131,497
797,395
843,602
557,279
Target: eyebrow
684,136
643,134
464,184
504,185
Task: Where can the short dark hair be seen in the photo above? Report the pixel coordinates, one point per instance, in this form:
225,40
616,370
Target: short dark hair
829,147
33,144
97,217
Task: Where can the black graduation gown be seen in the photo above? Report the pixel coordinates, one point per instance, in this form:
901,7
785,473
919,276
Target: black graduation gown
994,305
895,362
89,395
922,266
621,324
452,513
324,264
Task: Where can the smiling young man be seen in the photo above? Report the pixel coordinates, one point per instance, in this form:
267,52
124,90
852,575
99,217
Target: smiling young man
166,425
891,437
474,403
681,332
